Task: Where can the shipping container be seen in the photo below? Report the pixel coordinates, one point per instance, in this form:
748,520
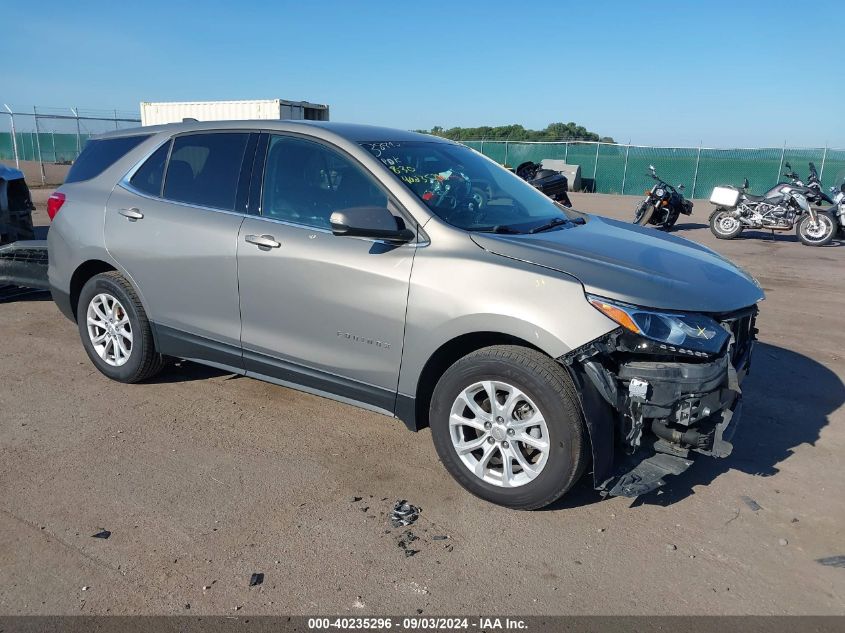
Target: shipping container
174,111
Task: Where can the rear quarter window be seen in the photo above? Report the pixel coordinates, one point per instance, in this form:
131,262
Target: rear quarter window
149,176
100,154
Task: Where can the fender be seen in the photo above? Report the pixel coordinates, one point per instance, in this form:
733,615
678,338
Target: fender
600,422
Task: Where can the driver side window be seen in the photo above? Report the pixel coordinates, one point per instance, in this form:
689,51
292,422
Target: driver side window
305,182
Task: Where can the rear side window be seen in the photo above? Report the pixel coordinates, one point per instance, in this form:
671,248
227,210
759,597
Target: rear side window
204,169
150,175
100,154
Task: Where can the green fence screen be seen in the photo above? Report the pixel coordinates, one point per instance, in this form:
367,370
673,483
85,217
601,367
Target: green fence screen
55,148
623,169
607,168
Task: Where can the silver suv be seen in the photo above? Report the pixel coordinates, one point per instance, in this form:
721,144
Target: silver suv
411,276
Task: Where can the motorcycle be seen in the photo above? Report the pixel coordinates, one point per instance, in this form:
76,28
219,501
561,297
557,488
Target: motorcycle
815,195
784,207
552,183
838,204
663,204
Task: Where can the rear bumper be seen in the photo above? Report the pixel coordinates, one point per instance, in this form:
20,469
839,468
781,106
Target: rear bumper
62,301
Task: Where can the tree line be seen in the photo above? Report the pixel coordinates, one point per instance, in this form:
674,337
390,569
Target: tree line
552,132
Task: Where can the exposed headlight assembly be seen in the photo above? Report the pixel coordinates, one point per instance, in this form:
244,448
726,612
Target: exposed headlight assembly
672,332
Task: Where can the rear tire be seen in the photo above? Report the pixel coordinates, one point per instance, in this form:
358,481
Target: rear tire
643,213
537,415
673,219
724,225
115,330
816,233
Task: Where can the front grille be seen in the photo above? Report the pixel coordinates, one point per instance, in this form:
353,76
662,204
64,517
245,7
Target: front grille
742,326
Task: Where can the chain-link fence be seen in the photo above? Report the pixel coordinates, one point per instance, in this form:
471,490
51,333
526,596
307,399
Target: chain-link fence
54,136
623,169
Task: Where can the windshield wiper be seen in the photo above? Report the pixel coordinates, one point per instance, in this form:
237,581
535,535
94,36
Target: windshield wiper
550,225
500,228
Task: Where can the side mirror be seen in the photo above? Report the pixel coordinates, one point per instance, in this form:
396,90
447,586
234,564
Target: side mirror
373,222
745,183
681,187
651,167
788,166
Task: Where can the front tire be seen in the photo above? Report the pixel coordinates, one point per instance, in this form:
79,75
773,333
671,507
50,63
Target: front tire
816,233
507,425
724,225
115,330
643,213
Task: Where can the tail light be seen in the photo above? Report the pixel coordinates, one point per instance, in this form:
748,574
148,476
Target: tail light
54,203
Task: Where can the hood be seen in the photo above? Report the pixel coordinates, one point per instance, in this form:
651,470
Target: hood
633,264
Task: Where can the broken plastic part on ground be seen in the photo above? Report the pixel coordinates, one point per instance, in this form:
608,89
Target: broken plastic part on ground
404,514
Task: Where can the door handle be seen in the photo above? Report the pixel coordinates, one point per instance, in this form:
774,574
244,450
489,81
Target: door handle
263,241
132,214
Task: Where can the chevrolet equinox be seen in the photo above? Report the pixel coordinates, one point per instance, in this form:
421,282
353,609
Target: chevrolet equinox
411,276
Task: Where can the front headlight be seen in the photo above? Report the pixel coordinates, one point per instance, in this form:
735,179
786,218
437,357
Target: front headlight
674,332
659,192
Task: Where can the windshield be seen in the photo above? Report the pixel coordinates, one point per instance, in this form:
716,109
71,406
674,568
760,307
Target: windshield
467,190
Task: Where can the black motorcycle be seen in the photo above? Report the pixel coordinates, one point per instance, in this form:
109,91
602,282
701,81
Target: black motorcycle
552,183
785,206
663,204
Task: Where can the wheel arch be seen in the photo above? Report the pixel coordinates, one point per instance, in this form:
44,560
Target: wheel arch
415,413
94,266
80,277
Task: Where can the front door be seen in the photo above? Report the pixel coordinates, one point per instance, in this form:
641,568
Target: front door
173,227
318,310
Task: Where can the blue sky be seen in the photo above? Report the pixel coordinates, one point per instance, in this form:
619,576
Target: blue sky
729,74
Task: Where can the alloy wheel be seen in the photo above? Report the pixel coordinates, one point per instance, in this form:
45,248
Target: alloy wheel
499,434
109,329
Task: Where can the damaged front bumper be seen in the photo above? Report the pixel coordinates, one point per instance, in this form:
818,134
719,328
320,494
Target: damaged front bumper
648,416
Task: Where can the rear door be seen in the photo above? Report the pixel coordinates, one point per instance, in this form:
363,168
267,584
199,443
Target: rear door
173,226
319,310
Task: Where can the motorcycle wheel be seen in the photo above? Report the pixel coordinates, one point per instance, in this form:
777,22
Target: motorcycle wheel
724,225
643,213
671,221
816,233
